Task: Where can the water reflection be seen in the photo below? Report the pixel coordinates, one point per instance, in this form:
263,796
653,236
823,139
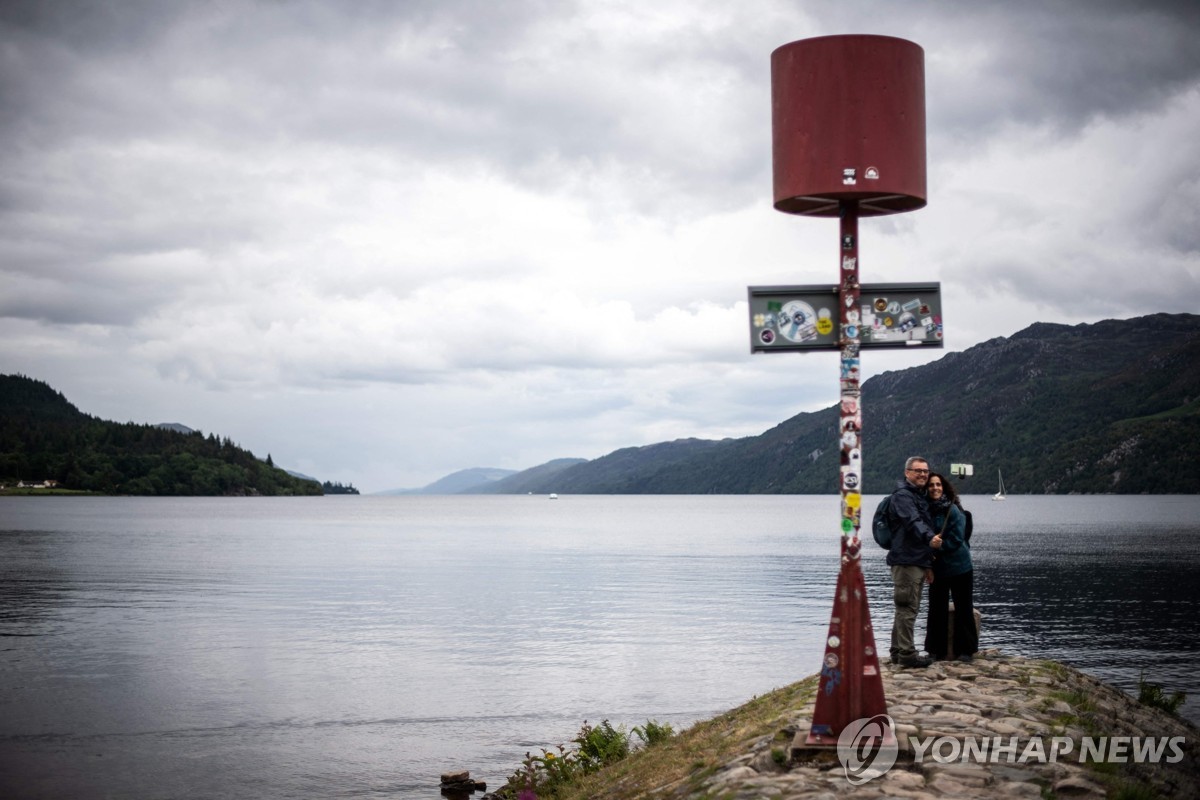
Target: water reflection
326,648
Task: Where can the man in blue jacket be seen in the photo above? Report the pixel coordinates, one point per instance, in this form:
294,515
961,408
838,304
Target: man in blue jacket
910,556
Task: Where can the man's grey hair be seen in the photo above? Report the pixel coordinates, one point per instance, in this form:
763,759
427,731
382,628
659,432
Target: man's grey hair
914,459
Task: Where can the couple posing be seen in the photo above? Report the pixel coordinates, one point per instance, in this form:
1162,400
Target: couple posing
930,544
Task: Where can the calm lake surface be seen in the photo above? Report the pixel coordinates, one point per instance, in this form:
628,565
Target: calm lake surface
361,646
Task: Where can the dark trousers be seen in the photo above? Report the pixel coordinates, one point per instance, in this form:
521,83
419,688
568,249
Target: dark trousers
966,638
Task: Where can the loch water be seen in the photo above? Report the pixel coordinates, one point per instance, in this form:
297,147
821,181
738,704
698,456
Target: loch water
360,646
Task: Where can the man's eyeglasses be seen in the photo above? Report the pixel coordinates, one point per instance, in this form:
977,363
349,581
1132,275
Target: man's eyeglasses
919,471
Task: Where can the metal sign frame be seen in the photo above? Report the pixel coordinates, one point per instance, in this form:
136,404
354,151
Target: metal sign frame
790,319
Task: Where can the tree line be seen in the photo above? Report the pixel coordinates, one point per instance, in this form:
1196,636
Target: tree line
44,437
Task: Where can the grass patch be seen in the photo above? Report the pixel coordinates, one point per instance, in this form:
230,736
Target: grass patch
1134,791
677,765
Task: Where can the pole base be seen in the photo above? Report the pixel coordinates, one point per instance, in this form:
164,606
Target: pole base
851,685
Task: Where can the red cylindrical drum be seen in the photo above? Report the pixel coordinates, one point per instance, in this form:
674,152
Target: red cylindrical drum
848,123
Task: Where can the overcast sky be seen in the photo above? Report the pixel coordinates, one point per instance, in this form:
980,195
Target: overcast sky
384,241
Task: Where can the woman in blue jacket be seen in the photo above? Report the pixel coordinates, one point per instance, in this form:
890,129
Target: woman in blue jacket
953,576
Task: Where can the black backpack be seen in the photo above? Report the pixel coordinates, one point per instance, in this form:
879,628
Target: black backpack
880,528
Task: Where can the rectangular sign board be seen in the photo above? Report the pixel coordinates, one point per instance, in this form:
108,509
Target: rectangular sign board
801,318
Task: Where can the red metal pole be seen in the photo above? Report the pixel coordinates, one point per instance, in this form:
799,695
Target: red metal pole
851,686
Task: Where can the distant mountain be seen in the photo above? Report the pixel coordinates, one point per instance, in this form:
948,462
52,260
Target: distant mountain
174,426
1112,407
465,480
529,480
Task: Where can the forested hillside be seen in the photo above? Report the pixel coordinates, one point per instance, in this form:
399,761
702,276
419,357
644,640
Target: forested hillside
1108,407
44,437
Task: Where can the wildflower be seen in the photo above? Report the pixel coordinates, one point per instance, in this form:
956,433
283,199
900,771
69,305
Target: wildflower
527,794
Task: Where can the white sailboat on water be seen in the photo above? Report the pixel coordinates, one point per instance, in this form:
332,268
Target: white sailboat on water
1000,495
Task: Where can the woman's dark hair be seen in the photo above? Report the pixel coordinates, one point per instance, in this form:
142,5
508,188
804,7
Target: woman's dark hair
947,488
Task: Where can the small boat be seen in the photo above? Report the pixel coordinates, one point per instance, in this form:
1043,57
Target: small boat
553,496
1000,495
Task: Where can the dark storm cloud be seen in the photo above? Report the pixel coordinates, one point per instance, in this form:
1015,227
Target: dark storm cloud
1055,63
1061,64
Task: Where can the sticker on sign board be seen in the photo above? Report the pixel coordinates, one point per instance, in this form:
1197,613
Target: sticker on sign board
852,316
872,174
767,336
848,176
797,321
848,242
825,326
849,262
831,660
849,439
834,641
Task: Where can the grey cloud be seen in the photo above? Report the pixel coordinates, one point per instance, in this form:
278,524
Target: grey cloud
1064,64
63,303
457,81
1054,63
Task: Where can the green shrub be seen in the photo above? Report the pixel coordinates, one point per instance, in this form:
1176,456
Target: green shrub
653,733
601,744
1151,694
596,746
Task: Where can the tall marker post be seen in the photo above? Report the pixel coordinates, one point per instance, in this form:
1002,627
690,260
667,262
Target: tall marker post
848,120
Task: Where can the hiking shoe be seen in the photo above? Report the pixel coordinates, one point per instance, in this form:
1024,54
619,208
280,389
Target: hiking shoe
915,662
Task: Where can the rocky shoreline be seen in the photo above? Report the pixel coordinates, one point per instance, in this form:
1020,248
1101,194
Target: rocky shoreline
1000,726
